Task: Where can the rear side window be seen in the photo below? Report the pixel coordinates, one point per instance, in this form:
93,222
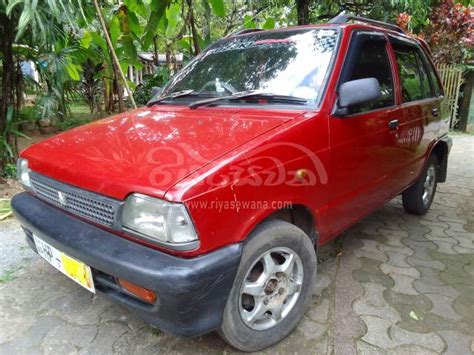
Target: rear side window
409,73
370,60
434,78
418,82
425,81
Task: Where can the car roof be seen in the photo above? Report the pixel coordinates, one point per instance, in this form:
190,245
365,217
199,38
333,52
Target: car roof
344,26
323,25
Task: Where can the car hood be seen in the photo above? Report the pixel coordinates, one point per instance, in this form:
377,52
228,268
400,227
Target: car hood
148,150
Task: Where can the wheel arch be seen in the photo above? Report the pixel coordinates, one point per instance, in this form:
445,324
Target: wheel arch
298,215
441,151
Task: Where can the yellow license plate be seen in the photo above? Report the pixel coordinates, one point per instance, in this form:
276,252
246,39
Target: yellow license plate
72,268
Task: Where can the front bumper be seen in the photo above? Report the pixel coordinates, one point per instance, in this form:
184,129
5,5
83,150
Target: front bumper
191,293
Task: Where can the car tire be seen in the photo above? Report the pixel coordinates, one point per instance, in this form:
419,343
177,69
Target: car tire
282,292
417,199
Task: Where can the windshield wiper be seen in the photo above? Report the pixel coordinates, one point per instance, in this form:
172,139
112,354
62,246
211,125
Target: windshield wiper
170,97
249,94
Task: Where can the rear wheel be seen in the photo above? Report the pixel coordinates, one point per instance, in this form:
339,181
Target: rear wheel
272,289
418,198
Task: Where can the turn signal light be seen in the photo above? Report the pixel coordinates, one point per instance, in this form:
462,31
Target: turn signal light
142,293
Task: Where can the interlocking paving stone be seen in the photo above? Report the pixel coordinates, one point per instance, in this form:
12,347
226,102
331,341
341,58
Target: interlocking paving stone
403,284
397,260
458,343
424,288
373,303
431,276
377,332
445,247
370,272
469,268
395,270
370,250
442,306
422,253
395,250
435,264
428,340
425,245
463,250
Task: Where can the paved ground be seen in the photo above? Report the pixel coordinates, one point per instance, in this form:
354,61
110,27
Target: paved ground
393,283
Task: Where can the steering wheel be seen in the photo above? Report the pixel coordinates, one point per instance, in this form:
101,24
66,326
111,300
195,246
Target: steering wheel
212,84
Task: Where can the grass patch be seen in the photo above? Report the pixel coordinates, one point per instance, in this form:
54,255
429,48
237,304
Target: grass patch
459,133
72,122
79,114
8,275
5,208
78,108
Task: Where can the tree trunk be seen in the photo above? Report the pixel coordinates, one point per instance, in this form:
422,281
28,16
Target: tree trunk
119,92
194,33
7,34
62,105
119,75
302,10
465,101
206,31
155,47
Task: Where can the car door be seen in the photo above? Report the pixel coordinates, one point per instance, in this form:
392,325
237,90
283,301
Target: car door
421,100
363,142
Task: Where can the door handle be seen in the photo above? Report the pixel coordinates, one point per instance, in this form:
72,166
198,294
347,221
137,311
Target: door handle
393,124
435,111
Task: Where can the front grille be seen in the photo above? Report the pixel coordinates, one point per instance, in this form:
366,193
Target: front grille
86,204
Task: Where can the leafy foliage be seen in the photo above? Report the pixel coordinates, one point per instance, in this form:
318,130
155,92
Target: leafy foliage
72,122
451,32
11,131
10,171
143,91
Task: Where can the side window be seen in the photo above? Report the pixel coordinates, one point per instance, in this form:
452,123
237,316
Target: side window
434,78
409,74
425,82
370,61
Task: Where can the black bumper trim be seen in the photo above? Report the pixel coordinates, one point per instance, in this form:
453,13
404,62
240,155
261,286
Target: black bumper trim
191,293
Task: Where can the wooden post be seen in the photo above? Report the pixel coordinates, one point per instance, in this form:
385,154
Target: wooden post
465,101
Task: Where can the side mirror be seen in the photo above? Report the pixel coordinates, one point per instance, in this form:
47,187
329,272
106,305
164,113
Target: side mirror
155,90
356,92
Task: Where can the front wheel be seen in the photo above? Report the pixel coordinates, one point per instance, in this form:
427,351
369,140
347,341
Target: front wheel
418,198
272,289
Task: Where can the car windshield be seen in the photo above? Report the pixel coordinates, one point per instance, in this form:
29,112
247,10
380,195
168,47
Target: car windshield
291,63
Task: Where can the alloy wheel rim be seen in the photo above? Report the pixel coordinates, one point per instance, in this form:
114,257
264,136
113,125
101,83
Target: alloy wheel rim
271,288
429,184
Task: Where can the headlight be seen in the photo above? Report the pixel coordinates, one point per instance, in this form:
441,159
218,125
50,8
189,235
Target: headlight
159,221
23,173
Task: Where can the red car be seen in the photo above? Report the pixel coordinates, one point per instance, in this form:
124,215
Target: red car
204,210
